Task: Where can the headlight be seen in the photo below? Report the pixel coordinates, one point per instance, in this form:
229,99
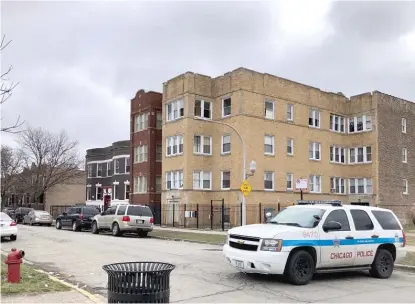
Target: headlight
271,245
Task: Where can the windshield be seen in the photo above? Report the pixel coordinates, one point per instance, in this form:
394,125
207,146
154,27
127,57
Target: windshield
299,217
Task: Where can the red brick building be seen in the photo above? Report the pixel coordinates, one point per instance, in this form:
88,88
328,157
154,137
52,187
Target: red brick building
146,148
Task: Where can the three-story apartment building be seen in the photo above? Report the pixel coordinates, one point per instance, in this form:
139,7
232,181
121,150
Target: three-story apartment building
349,149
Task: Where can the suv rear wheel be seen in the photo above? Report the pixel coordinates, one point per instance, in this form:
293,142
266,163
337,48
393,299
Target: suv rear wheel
382,266
95,229
116,229
300,268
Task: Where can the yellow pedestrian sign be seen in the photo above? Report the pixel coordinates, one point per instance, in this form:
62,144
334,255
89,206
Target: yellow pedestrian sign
245,188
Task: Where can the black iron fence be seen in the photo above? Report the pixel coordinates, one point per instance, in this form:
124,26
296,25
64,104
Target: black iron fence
55,210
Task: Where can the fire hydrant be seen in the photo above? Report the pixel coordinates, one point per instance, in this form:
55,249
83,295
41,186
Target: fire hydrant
14,259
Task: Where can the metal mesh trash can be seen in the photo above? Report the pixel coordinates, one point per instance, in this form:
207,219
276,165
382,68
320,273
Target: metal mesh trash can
139,282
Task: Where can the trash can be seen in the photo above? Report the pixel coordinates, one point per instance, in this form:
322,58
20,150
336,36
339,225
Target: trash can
138,282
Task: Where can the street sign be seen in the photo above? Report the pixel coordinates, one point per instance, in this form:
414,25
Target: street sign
301,183
245,188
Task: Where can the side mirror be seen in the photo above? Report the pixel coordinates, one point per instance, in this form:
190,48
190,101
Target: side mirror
332,226
64,213
268,215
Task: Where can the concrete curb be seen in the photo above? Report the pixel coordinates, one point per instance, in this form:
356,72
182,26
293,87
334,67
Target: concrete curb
184,240
405,267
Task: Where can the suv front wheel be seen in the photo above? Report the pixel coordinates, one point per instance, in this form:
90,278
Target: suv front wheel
300,268
58,224
382,266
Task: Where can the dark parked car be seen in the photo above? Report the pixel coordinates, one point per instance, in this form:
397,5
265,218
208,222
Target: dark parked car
20,213
77,217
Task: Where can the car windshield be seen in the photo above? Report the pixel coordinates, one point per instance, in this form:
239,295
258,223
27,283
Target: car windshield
298,217
4,217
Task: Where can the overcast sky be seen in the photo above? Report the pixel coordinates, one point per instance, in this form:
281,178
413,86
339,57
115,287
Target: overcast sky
80,63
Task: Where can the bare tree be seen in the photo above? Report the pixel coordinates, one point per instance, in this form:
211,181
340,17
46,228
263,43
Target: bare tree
11,165
49,159
6,90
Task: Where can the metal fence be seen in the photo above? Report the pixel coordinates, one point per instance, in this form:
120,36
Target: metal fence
55,210
25,205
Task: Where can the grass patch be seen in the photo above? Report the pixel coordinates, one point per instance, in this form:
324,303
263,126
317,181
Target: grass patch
31,281
189,236
409,259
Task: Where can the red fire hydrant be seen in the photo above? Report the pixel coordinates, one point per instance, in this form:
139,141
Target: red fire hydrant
14,259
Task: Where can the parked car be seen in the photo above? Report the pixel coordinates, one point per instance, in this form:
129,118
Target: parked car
10,212
8,227
124,218
77,217
38,217
20,213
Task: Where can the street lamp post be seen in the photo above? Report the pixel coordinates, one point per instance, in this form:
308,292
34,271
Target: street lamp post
252,165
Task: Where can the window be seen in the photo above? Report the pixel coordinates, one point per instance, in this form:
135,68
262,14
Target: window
139,211
226,107
268,180
269,145
314,118
290,146
202,145
140,154
174,145
315,183
99,170
141,122
360,155
269,109
386,220
140,184
225,180
341,217
403,125
159,152
405,186
159,121
203,109
337,123
127,165
337,185
175,110
99,193
89,170
121,210
127,192
115,194
360,123
290,112
88,194
116,166
337,155
314,151
290,179
202,180
109,168
174,180
404,155
360,186
361,220
158,184
226,144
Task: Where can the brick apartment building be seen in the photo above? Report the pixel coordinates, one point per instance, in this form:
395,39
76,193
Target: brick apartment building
359,150
146,148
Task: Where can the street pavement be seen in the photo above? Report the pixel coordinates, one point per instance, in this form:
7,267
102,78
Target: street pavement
201,275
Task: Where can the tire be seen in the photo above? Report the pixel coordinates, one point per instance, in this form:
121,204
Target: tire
75,227
58,224
116,229
94,228
300,268
142,234
382,266
13,237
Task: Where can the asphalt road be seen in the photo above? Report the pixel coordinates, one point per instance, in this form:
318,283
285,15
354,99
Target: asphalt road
201,273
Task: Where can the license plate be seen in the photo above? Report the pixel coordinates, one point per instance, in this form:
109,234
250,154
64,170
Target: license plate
139,221
239,264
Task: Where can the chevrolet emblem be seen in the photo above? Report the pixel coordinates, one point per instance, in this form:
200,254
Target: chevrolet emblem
241,242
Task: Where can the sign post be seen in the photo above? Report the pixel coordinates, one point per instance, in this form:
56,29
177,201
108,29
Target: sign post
301,184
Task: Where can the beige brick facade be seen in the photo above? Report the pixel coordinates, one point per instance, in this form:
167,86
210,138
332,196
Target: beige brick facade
249,90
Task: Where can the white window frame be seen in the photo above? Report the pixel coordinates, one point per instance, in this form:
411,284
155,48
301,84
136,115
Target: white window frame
273,180
341,123
202,106
140,182
290,109
223,108
272,116
176,179
109,168
290,178
201,175
141,122
337,183
365,125
222,144
312,180
338,150
140,154
272,144
177,106
356,153
315,147
125,165
221,180
290,143
98,166
365,185
202,140
315,115
405,185
89,166
116,161
88,193
403,125
404,155
174,141
159,120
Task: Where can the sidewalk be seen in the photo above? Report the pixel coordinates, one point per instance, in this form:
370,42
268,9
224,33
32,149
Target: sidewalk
190,230
52,297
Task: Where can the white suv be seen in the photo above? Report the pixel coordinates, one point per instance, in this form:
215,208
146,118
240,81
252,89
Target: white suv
305,239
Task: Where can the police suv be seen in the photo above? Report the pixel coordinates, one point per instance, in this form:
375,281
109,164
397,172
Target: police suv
315,238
